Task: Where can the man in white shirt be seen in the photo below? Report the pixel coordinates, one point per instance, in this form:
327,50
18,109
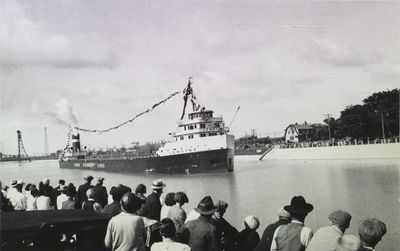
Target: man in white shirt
126,231
62,197
326,238
294,236
17,198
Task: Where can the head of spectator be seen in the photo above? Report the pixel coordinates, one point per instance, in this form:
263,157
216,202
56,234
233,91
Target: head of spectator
140,191
167,228
158,186
46,181
63,189
206,207
28,187
283,214
178,217
251,222
299,208
13,183
181,198
88,179
348,242
35,193
61,182
71,191
169,199
118,192
100,180
341,219
41,187
90,193
221,209
371,232
130,203
19,185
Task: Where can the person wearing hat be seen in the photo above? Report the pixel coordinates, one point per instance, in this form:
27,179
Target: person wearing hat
266,239
326,237
225,230
203,234
152,206
248,238
371,232
17,198
114,207
100,192
81,195
91,204
294,236
62,190
125,231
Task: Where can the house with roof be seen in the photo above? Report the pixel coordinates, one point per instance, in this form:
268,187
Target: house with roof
295,133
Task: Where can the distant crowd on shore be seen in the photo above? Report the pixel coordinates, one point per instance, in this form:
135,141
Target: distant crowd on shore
140,222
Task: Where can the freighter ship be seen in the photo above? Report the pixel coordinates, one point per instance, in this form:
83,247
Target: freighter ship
200,144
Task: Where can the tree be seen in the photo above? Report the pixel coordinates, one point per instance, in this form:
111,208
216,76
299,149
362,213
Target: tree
362,121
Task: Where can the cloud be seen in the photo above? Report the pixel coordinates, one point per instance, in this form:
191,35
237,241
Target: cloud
24,42
330,53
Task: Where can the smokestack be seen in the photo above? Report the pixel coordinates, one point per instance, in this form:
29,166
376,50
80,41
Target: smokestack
76,143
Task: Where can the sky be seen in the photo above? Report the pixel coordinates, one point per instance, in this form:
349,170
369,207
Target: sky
99,63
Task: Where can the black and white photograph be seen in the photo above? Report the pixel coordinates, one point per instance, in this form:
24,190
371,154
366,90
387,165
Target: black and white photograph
199,125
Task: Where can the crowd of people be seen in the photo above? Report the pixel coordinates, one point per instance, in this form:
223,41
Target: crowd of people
140,222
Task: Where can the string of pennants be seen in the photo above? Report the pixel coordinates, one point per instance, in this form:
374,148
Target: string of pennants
130,120
68,138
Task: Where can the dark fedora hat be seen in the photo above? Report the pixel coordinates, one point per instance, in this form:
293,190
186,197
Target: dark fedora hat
206,206
299,205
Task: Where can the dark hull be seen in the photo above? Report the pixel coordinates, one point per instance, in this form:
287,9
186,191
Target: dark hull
200,162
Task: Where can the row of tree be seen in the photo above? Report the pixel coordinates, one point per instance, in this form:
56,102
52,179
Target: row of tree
376,117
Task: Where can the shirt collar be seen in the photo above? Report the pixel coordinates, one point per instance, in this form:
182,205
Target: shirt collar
298,222
369,248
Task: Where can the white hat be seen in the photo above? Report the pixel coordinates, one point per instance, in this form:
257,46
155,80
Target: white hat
158,184
252,222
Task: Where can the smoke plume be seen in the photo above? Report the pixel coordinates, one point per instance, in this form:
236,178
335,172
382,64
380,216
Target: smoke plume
64,114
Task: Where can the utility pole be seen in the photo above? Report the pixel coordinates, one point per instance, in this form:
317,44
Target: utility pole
328,117
46,142
383,126
253,133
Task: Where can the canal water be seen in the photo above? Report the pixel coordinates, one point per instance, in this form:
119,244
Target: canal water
365,188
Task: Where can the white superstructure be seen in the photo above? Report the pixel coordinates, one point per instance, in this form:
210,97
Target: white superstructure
199,132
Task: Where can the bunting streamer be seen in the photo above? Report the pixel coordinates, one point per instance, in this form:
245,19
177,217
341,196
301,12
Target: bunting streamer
68,138
130,120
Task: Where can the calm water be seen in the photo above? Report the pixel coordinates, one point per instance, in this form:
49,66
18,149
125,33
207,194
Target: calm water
368,188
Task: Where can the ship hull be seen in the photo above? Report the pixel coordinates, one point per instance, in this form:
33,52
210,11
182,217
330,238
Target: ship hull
220,160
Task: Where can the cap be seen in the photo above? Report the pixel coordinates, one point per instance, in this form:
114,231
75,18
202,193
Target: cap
221,204
340,217
252,222
99,179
